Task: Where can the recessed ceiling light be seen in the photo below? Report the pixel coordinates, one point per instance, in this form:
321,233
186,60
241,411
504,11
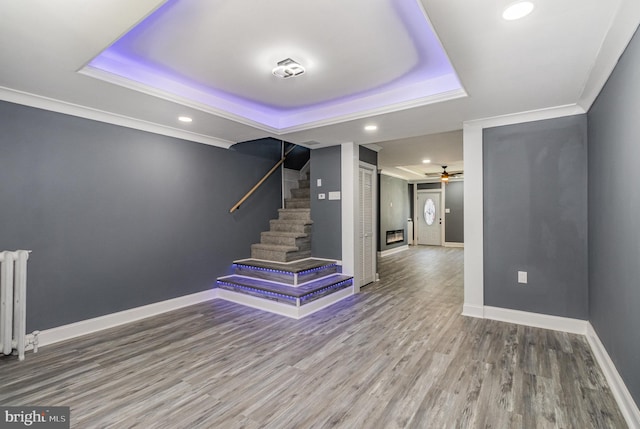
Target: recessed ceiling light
517,10
426,161
370,127
287,68
184,119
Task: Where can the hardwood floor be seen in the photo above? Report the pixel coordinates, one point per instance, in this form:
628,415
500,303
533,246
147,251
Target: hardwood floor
397,355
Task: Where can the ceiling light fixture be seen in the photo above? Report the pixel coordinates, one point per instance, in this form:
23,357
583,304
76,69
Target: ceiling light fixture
517,10
287,68
444,177
370,127
185,119
426,161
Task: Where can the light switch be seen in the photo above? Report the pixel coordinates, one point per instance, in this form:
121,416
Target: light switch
447,210
334,195
522,277
319,182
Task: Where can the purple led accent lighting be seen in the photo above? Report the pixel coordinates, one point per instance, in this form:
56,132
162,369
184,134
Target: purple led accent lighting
269,270
430,76
328,288
259,291
313,270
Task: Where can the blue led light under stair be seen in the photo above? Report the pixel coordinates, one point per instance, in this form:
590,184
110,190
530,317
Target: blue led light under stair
299,300
268,270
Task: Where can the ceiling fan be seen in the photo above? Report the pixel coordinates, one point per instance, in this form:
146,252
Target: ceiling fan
446,175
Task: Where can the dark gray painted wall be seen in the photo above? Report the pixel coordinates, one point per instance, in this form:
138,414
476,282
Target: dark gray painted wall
393,210
326,241
614,210
535,216
454,220
118,218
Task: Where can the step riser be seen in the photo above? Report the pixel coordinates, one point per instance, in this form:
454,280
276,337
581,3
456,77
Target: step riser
283,292
282,299
276,256
287,278
300,204
290,227
301,193
304,183
301,243
294,215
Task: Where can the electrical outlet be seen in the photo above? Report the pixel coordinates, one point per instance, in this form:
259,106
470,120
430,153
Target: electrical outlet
321,196
522,277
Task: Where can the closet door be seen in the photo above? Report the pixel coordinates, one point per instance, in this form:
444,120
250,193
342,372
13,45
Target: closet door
367,253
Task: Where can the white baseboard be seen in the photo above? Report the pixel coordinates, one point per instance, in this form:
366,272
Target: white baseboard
473,311
453,244
392,251
537,320
620,392
89,326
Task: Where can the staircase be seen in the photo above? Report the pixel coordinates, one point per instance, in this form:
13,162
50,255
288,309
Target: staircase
294,289
281,276
289,237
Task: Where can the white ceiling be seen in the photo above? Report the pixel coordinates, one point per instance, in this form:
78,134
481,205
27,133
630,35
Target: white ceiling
404,158
559,55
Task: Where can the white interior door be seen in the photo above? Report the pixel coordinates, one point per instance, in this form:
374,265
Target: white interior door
366,265
429,219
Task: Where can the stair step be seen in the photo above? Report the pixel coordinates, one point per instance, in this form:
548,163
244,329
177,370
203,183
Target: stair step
293,225
287,214
301,193
297,203
300,240
292,273
299,295
274,247
279,255
304,183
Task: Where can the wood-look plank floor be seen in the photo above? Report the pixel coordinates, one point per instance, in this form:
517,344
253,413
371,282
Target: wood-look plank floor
398,355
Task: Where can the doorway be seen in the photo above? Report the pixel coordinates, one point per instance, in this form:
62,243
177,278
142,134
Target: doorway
429,218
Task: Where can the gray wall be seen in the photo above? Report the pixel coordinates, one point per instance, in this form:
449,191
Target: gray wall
454,220
535,216
326,241
393,210
118,218
614,210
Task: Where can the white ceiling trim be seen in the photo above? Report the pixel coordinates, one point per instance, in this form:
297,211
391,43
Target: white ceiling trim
621,30
45,103
528,116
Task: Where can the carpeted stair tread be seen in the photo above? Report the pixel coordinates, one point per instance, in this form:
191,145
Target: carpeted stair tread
274,247
285,234
292,221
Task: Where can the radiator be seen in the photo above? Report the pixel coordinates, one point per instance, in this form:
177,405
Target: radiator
13,300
